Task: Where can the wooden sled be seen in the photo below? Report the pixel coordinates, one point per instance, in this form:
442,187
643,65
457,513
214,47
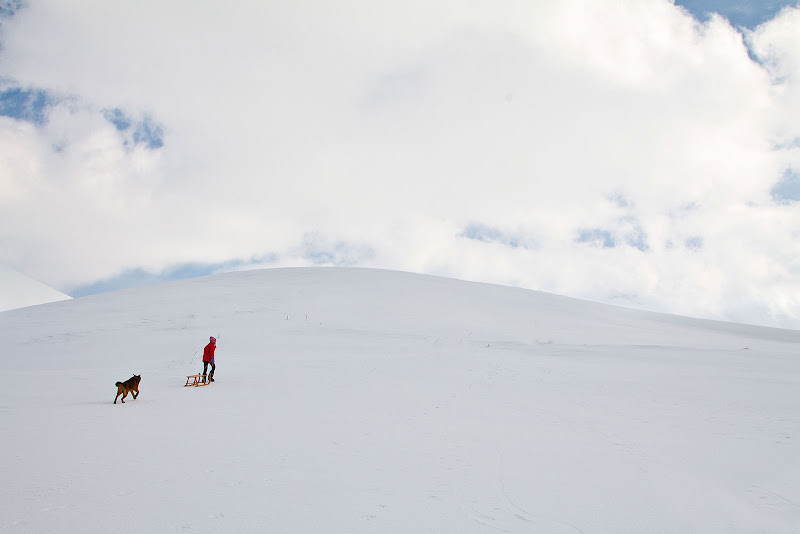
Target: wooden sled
196,380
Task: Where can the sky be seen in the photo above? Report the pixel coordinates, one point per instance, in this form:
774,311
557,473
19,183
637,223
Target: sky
641,153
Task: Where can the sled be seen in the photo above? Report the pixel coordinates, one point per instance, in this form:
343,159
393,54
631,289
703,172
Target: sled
196,380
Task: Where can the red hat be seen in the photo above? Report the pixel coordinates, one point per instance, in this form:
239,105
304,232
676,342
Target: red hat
213,339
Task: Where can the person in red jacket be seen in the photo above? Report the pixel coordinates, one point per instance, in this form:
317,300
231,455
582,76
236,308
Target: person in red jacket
208,357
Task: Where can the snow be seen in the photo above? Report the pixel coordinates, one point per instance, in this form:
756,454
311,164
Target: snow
18,290
356,400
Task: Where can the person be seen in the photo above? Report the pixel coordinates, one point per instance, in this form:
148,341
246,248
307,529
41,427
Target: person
208,357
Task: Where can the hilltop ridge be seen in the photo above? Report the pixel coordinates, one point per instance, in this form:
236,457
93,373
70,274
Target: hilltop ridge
356,400
18,290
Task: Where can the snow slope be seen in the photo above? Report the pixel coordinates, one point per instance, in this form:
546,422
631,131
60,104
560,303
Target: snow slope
18,290
353,400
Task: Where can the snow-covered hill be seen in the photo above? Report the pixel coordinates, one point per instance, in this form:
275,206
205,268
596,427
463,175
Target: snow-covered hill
352,400
18,290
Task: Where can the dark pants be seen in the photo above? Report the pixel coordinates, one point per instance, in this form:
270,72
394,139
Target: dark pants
205,368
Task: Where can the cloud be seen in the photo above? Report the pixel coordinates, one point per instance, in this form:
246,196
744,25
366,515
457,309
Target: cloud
319,251
493,142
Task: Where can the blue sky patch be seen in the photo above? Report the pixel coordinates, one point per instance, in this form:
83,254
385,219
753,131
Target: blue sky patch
147,131
788,145
118,118
488,234
788,189
633,236
9,7
620,200
596,236
694,243
29,105
140,277
637,238
744,13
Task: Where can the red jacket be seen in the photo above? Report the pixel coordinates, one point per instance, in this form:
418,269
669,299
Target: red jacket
208,352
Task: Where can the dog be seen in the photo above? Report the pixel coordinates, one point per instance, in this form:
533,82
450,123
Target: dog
131,386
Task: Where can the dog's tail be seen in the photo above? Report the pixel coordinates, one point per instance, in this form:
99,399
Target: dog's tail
118,384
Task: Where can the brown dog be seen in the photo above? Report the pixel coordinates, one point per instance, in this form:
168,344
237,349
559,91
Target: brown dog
131,386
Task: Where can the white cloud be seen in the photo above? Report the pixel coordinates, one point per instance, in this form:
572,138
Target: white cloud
393,127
